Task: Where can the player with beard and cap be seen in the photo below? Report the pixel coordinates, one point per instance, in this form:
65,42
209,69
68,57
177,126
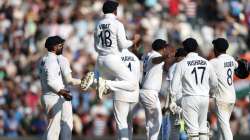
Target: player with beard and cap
55,75
196,77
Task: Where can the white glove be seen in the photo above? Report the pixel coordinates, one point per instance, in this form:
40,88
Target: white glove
173,106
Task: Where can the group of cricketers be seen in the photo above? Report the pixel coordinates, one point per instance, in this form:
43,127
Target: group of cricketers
192,81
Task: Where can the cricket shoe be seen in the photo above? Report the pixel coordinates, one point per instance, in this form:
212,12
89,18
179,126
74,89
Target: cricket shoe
101,88
87,81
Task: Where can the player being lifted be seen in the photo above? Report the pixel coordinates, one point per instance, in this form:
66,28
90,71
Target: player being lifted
110,39
196,77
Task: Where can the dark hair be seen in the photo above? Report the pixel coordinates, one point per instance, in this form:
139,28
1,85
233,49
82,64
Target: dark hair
180,52
159,44
109,6
220,45
53,41
190,45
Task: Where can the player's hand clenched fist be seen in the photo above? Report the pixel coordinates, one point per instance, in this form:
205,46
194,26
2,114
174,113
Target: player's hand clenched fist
65,94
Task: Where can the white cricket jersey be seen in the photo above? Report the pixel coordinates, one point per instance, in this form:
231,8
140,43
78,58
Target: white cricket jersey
65,67
169,78
152,73
195,75
50,74
110,36
133,64
224,66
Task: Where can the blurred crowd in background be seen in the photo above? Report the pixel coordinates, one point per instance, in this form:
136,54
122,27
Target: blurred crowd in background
25,24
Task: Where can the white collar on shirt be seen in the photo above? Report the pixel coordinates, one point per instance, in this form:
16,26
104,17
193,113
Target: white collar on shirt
52,54
110,15
191,54
222,55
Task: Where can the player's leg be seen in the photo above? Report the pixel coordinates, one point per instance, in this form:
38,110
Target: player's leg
223,111
66,121
121,110
151,104
203,109
113,65
190,115
130,119
53,107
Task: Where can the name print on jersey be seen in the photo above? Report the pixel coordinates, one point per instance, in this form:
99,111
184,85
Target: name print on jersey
128,58
229,64
196,62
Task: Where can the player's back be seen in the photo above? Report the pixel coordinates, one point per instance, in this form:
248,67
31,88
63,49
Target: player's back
195,75
106,35
224,66
133,64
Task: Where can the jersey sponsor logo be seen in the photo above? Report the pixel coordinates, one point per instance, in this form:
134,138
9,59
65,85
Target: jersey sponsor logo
128,58
196,62
229,64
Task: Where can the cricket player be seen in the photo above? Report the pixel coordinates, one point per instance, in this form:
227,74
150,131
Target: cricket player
110,39
54,98
175,115
151,82
196,77
125,101
224,66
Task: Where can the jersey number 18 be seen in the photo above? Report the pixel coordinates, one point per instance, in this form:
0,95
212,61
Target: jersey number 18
105,38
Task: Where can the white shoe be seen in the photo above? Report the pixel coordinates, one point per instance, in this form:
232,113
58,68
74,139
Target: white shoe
101,88
87,81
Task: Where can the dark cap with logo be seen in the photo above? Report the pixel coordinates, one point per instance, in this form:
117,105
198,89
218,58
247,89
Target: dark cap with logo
190,45
159,44
220,44
53,40
109,6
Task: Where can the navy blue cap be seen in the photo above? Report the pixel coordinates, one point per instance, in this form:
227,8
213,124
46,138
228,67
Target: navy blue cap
53,40
109,6
159,44
220,44
190,45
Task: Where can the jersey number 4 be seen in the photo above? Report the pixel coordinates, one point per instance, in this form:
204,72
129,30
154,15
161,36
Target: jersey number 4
194,71
105,37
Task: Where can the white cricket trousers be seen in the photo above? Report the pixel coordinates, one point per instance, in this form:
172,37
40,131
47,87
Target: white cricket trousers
112,68
223,112
151,103
123,112
60,118
195,110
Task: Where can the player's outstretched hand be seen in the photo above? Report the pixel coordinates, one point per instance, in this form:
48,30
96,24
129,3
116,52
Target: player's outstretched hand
65,94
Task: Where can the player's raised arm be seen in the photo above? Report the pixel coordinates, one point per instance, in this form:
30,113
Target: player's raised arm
122,40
